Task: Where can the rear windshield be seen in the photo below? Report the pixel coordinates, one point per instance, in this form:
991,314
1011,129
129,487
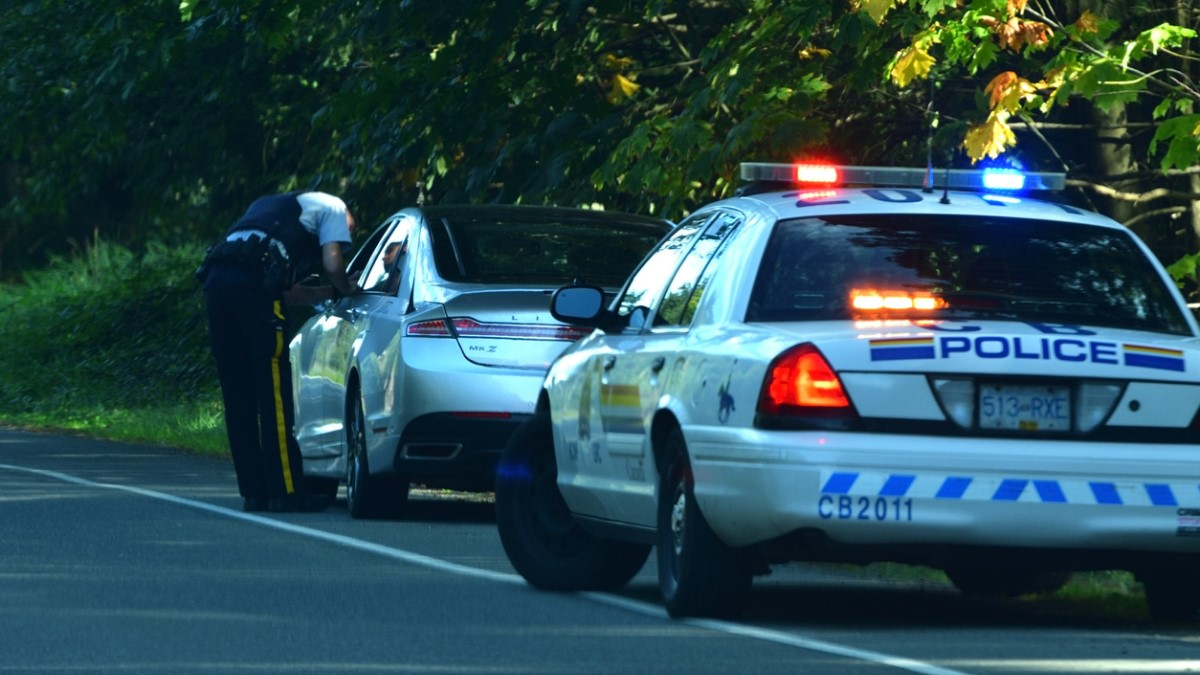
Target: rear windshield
960,268
540,252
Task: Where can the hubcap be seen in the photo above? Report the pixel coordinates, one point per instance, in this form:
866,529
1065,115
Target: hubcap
677,512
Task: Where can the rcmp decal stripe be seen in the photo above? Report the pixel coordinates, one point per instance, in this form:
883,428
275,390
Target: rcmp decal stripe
902,349
1010,489
1153,357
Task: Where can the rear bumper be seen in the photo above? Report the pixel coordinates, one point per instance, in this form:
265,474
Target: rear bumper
920,495
454,451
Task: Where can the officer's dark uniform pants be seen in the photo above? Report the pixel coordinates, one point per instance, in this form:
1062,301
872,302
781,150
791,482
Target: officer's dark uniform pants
247,327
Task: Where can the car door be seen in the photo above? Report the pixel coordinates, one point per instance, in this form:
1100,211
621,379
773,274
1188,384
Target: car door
321,350
637,374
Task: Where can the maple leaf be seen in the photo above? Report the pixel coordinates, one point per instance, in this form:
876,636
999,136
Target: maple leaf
622,88
1015,7
876,9
989,139
1087,23
1008,90
914,63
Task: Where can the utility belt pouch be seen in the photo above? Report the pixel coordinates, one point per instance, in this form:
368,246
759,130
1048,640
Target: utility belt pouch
250,252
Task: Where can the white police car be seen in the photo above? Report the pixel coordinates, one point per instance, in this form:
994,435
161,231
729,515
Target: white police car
955,376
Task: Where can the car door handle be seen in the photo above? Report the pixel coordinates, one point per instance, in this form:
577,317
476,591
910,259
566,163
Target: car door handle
609,362
657,364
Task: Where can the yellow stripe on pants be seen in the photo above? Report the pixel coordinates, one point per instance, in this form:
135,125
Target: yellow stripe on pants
280,432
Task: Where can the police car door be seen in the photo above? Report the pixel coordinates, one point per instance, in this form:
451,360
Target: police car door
660,302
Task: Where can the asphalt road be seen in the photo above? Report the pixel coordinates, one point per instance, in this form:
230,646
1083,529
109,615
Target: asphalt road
127,559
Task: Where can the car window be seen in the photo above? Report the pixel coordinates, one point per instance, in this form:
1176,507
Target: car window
683,295
644,286
976,267
386,268
359,262
502,249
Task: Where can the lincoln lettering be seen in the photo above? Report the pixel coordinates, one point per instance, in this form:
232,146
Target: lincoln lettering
1035,348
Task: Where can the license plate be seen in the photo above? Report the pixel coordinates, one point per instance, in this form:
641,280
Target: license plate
1024,407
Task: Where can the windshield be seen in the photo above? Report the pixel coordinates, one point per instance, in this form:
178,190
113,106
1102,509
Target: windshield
885,266
541,251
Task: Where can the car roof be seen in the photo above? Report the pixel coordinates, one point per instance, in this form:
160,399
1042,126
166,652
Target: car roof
537,213
786,204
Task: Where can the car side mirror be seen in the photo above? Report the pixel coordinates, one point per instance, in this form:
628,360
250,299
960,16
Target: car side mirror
583,305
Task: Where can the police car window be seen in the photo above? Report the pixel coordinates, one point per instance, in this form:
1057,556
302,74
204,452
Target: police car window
386,267
965,267
683,295
643,288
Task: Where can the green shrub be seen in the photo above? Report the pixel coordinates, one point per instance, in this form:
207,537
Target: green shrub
106,329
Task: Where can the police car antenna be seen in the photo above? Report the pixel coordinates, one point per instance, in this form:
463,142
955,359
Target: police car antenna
931,115
931,124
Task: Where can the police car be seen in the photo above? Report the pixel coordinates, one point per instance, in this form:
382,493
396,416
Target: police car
863,364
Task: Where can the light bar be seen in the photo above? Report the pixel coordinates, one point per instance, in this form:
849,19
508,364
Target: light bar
874,300
889,176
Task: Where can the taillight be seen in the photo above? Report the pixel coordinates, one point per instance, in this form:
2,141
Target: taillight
465,327
800,383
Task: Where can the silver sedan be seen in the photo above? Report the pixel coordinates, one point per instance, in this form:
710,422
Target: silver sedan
422,377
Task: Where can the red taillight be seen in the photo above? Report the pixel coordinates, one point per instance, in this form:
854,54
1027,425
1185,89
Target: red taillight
801,381
465,327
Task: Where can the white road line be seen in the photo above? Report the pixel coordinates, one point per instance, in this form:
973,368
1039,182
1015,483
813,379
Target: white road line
643,608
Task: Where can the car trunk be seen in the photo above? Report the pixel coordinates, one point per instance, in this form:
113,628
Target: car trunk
509,328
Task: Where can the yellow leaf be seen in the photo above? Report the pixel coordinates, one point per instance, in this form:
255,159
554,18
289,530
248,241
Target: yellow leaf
913,63
876,9
812,53
622,88
1008,90
618,63
1087,23
989,139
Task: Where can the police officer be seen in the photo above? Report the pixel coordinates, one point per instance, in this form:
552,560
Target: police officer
249,279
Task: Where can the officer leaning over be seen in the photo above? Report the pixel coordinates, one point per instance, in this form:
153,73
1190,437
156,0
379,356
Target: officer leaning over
249,279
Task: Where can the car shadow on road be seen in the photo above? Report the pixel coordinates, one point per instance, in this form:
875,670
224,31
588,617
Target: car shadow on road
849,603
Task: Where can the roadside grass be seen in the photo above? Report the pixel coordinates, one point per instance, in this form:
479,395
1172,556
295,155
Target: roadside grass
193,426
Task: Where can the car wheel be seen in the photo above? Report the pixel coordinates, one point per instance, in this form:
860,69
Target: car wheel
1172,595
541,538
698,574
1008,583
369,496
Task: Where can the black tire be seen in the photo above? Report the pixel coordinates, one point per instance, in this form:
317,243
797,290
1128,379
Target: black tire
369,496
697,573
1172,595
541,538
1006,583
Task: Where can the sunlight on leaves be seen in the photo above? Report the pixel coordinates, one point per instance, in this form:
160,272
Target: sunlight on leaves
622,88
914,63
989,139
876,9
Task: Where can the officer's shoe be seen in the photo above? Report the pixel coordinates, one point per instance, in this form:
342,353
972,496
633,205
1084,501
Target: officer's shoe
300,503
253,504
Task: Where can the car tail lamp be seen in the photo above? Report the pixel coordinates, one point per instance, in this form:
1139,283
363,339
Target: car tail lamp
465,327
800,383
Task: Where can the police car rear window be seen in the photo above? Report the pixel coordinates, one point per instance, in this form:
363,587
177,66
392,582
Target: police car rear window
960,268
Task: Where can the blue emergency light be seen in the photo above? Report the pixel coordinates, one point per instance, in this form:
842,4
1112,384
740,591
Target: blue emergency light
829,175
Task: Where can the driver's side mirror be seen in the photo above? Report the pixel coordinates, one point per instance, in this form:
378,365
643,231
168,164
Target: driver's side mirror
581,305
